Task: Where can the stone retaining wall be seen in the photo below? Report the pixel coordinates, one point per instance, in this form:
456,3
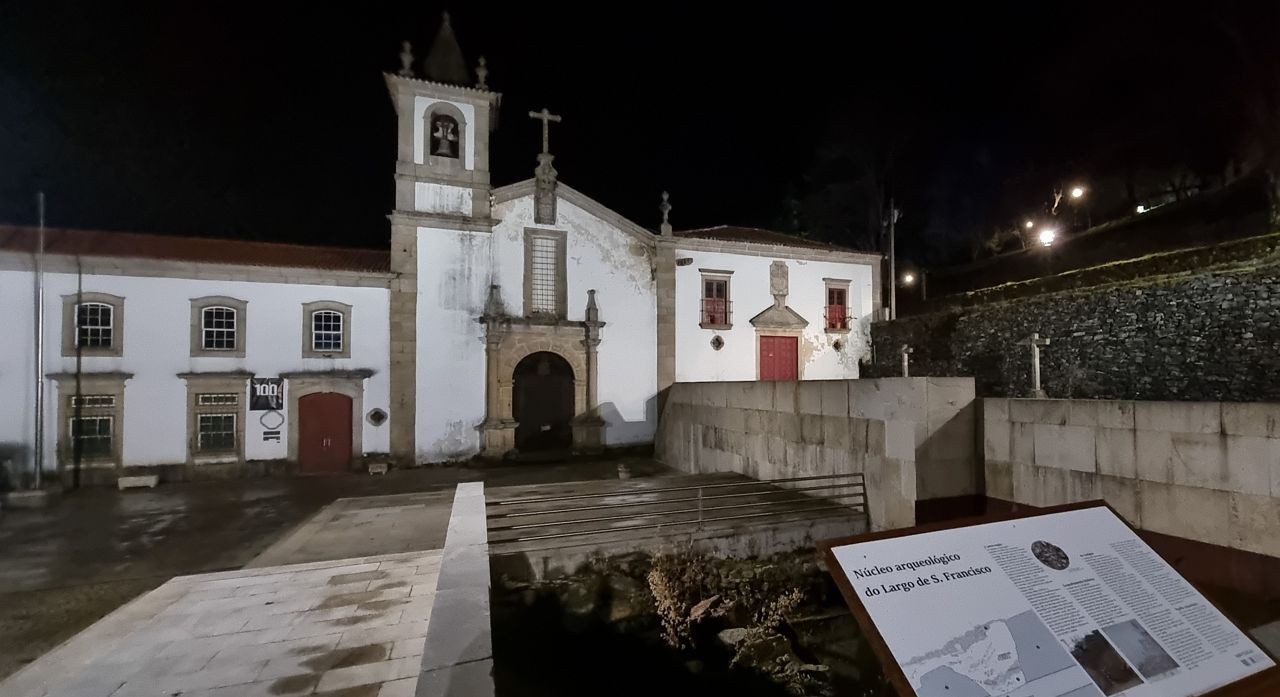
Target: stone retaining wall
912,438
1202,336
1204,471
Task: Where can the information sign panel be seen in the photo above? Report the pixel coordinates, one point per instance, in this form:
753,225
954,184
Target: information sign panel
1067,602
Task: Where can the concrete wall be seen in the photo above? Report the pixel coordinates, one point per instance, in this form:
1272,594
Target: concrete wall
157,335
697,360
891,430
1205,471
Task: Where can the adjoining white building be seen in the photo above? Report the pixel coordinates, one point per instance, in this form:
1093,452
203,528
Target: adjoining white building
501,320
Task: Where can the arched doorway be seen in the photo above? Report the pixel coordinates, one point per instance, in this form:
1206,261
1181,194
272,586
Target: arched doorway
324,433
542,402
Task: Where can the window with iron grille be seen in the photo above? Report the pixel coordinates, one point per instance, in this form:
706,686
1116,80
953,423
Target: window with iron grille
215,432
326,331
217,400
837,308
218,328
544,275
94,326
91,436
715,302
93,401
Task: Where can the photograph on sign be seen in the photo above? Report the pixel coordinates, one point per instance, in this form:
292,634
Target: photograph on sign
1070,603
266,394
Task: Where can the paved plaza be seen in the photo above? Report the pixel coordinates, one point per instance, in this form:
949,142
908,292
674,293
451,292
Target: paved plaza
355,627
64,567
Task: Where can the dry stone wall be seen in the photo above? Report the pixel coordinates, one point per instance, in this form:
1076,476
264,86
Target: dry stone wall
1206,337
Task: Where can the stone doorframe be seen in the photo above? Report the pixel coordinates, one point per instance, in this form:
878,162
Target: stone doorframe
345,382
508,340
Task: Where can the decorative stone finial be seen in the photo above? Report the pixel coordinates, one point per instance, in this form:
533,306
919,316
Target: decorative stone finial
482,72
406,59
593,312
665,207
444,17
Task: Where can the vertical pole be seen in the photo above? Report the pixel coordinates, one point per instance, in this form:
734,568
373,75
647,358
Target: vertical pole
906,360
699,508
893,270
1035,363
38,464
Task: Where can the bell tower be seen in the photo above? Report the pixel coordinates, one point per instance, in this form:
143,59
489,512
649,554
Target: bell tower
446,112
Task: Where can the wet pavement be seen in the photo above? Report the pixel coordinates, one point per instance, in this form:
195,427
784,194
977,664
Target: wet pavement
64,567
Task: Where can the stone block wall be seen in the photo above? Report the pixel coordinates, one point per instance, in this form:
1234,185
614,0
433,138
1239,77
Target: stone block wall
908,436
1202,336
1204,471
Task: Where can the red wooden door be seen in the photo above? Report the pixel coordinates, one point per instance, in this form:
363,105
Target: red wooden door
778,358
324,433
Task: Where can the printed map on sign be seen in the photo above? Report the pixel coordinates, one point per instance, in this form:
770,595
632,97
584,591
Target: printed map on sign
1012,656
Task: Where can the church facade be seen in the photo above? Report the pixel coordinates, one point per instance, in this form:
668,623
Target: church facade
501,320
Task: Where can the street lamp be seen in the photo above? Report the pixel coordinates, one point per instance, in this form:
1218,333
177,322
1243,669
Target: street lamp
1047,236
908,278
1077,191
1029,224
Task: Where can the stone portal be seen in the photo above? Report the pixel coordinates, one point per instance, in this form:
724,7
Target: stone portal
542,402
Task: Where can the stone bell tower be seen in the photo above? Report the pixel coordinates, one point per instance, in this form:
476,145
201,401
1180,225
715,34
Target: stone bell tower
446,113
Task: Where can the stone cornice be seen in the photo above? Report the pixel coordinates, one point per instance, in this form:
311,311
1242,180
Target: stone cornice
84,375
417,84
203,271
448,222
336,374
698,244
217,375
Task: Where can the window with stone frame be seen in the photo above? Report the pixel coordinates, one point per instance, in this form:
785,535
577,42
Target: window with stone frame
836,311
326,329
716,310
215,433
545,282
90,417
93,436
92,324
218,327
215,416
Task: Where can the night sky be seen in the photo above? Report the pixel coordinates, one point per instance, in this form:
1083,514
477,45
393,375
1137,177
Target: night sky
238,121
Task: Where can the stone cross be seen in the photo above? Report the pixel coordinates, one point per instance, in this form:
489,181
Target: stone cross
546,118
1036,344
906,360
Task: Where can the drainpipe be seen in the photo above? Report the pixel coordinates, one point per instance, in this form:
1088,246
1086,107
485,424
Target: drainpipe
37,479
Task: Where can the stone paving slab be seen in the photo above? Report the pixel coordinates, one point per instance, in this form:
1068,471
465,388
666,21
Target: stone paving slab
352,527
355,627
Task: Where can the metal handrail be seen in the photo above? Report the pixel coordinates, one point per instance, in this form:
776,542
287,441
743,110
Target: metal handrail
760,482
765,491
675,523
699,510
650,502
